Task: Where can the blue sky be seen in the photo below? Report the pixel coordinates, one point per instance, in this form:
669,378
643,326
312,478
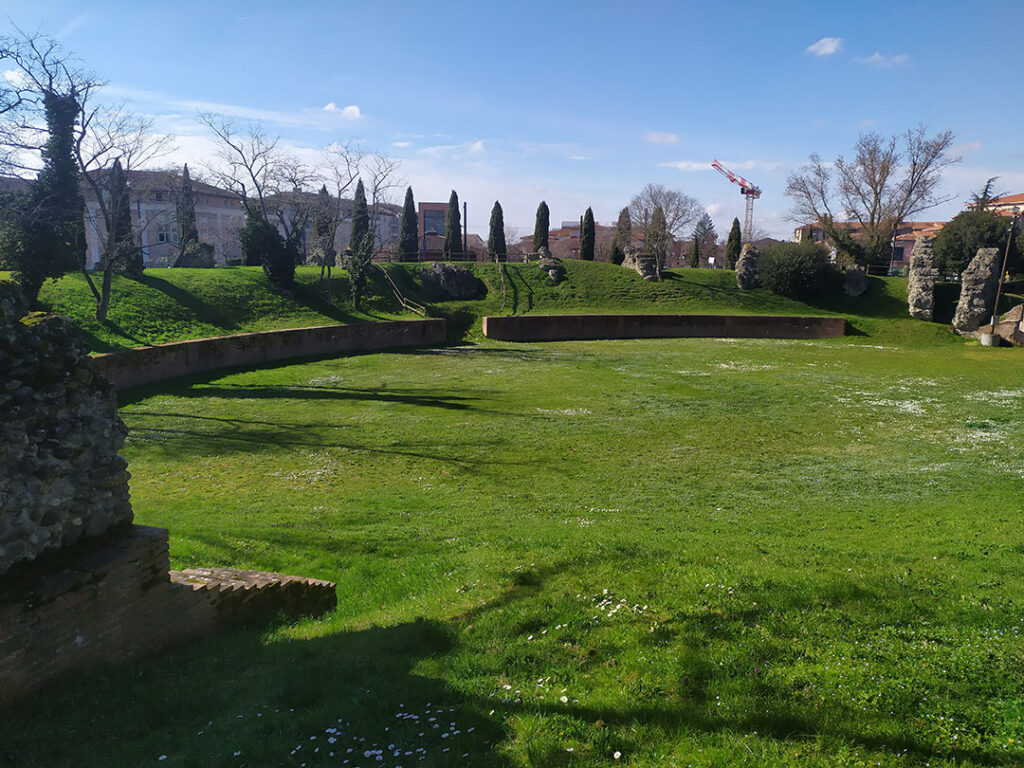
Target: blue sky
575,103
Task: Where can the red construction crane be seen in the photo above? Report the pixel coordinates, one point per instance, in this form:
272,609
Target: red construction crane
749,191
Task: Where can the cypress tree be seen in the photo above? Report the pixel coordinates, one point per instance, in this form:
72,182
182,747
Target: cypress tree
496,247
360,245
360,220
623,237
122,253
733,245
453,229
408,234
587,236
540,229
188,235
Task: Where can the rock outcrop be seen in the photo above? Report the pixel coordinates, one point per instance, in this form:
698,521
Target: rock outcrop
923,274
978,286
448,281
551,265
747,275
62,478
855,281
645,264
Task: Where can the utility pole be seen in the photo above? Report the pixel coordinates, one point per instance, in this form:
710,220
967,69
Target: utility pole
465,231
1002,272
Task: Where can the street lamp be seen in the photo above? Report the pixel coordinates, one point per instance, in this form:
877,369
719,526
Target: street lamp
1002,272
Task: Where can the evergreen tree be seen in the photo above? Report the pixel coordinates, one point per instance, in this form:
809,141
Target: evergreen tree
693,260
453,229
540,229
408,234
188,235
587,236
733,245
360,220
623,237
262,243
45,229
657,239
704,239
121,253
496,247
360,245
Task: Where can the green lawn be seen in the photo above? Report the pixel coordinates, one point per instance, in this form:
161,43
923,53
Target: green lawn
688,552
175,304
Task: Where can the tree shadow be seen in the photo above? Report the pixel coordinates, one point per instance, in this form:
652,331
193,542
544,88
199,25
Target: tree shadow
202,310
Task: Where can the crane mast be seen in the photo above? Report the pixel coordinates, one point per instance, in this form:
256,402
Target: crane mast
749,191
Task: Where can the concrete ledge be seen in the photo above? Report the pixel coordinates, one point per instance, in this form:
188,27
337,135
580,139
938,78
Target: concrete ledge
146,365
114,599
583,327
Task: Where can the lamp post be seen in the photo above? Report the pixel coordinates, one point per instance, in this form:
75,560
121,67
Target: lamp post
1002,272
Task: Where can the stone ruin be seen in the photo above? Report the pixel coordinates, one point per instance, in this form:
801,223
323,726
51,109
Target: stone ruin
923,274
80,585
855,281
551,265
978,286
645,264
59,439
747,275
451,281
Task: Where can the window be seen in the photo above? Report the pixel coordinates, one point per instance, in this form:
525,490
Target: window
166,233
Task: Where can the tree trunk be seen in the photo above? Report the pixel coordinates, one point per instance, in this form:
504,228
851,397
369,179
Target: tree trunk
103,299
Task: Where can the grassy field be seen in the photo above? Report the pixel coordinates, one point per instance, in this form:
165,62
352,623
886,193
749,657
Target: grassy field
652,553
174,304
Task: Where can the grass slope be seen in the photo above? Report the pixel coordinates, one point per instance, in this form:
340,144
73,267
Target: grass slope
173,304
176,304
688,552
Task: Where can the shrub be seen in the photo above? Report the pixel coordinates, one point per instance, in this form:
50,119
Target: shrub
797,270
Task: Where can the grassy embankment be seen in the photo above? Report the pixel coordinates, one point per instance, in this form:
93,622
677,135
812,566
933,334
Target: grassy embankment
169,305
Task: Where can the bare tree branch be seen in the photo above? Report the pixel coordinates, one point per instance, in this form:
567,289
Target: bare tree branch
887,181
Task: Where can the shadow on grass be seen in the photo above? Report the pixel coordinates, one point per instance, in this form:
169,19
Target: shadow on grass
202,310
291,700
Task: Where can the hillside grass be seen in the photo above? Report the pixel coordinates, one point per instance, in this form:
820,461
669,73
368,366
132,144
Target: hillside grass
689,552
176,304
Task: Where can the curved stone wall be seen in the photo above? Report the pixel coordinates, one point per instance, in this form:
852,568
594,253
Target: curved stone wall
583,327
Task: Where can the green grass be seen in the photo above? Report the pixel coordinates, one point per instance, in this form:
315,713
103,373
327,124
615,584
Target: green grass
174,304
691,552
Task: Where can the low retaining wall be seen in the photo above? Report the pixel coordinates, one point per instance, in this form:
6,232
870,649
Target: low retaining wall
145,365
570,327
104,602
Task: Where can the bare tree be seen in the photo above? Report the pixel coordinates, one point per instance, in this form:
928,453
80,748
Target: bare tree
102,135
887,181
107,134
680,210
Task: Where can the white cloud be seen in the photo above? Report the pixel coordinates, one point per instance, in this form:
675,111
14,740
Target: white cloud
15,77
577,157
692,166
882,61
688,166
966,148
351,112
656,137
401,144
477,147
72,25
826,46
